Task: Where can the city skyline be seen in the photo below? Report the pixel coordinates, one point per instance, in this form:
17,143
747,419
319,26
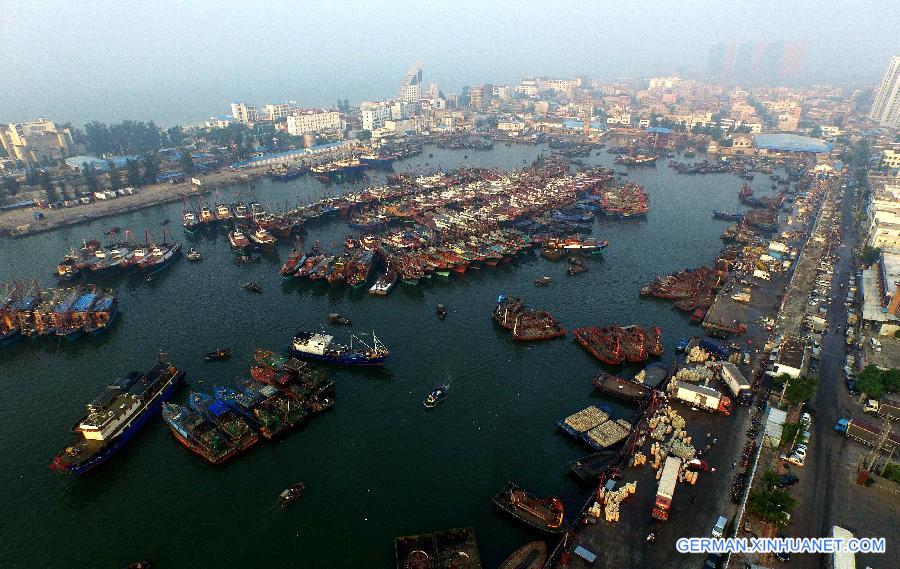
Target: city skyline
143,76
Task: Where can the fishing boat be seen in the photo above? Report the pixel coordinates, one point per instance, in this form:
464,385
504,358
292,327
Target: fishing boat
193,255
292,265
543,281
530,556
728,216
262,238
102,314
384,284
206,216
319,346
198,434
218,354
437,395
526,324
116,415
189,220
291,494
238,240
542,514
223,213
229,422
619,387
252,287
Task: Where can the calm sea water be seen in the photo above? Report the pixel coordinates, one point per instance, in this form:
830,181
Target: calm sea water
379,465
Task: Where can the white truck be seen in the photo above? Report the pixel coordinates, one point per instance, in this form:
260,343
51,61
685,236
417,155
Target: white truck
703,397
666,488
887,407
737,384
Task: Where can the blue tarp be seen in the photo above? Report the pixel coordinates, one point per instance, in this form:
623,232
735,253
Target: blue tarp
659,130
84,302
579,124
218,408
791,143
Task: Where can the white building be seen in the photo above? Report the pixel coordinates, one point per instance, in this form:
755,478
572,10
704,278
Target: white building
219,122
305,123
279,110
403,110
35,140
373,115
886,107
411,88
890,158
244,113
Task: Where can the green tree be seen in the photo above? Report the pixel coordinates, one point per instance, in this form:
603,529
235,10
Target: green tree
187,162
176,135
48,186
870,255
800,389
771,505
151,168
816,131
90,178
11,185
133,173
365,134
114,175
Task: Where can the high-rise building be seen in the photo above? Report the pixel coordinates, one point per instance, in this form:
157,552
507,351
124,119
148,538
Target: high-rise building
886,106
480,96
411,88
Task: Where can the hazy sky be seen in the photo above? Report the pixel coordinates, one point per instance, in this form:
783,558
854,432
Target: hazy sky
180,61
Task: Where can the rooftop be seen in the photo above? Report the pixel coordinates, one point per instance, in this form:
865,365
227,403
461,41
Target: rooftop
791,143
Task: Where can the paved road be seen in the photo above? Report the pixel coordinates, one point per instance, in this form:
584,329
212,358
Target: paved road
818,478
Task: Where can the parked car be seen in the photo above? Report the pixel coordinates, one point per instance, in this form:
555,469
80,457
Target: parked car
786,480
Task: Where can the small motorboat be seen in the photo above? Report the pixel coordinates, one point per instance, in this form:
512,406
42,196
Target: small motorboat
576,269
139,565
339,320
441,311
543,281
252,287
194,255
436,396
219,354
292,493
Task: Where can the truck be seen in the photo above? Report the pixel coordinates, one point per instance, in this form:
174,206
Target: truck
888,408
737,384
666,488
842,559
703,397
867,433
715,347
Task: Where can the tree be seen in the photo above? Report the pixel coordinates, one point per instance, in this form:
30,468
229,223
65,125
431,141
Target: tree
875,382
48,187
816,131
11,185
365,134
801,389
771,504
176,135
187,162
151,168
133,173
90,178
870,255
114,175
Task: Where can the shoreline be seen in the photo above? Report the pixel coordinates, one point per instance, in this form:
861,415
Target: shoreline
21,222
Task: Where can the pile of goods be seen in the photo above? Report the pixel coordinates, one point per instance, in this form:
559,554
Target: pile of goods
608,434
611,499
698,374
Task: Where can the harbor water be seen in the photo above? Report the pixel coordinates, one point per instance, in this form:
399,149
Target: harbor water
378,465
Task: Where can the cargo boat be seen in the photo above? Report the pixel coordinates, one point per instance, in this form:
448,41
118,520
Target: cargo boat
116,416
728,216
292,265
544,515
318,346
